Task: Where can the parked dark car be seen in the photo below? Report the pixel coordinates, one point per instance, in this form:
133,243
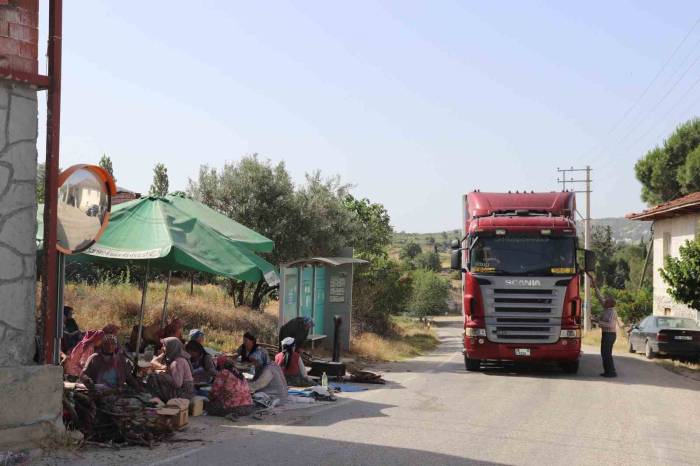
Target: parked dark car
677,337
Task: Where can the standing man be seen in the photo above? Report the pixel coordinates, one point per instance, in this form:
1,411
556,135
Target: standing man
608,326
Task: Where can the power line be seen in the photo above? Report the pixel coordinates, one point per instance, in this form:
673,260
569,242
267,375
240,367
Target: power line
648,87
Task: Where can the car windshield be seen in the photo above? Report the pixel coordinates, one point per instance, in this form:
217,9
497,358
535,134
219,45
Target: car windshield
675,322
523,255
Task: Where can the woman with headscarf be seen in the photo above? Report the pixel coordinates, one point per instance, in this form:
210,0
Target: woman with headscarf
108,367
92,339
230,393
203,367
289,359
271,380
250,349
177,381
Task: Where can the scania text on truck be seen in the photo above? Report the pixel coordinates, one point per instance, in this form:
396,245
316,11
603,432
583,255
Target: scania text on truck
520,278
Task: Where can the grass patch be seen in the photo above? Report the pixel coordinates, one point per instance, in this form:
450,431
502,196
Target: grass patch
209,308
411,338
593,337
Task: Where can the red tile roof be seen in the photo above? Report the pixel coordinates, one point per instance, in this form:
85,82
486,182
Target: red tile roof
682,205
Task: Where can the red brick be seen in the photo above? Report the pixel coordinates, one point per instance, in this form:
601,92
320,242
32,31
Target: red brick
9,46
10,14
25,65
28,17
23,33
28,50
4,28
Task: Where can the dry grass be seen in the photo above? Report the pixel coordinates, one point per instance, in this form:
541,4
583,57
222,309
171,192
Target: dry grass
209,309
412,339
592,338
687,369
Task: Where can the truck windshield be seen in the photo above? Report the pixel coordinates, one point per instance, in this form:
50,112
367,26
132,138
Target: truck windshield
523,255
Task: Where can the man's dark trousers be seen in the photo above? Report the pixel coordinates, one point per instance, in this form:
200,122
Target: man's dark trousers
606,346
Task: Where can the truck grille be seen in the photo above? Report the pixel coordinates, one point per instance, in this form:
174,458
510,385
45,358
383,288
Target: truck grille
523,315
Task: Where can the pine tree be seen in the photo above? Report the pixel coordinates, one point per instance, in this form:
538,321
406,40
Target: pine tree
106,163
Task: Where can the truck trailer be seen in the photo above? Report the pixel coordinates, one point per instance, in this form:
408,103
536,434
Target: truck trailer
520,278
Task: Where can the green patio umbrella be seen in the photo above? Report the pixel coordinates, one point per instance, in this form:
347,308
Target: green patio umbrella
176,233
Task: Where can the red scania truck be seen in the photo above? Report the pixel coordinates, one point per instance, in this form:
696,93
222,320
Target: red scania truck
520,278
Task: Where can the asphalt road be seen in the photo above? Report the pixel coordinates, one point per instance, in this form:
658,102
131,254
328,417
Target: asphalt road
433,412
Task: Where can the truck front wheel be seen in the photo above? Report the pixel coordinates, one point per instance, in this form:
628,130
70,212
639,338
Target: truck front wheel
472,365
570,367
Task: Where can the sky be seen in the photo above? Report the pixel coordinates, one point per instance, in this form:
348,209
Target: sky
414,103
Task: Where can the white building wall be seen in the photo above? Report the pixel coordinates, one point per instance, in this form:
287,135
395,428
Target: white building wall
681,229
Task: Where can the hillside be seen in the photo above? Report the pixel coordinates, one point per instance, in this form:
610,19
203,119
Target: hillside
628,231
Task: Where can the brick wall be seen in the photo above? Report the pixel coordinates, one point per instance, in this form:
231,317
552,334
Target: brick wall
19,35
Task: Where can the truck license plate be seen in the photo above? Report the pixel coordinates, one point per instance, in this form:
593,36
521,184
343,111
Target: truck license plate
522,351
682,337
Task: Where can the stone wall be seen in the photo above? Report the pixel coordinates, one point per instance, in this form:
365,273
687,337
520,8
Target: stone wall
18,162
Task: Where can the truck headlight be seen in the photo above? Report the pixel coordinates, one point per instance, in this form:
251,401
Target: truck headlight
475,332
570,334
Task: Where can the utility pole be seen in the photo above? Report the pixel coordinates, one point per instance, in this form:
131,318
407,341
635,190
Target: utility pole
586,232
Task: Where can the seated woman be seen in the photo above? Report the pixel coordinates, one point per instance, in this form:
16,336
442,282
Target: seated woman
203,368
250,348
289,359
74,364
271,380
230,393
177,381
71,331
108,367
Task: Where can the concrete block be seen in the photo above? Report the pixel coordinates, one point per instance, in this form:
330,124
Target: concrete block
19,230
37,394
23,158
23,119
12,265
32,404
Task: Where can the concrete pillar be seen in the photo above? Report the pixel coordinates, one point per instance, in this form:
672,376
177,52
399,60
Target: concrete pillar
30,394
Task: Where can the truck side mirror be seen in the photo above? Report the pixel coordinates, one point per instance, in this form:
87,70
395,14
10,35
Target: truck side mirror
454,244
456,259
589,260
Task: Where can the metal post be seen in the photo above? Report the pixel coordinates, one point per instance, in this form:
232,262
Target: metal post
646,261
587,240
143,305
164,316
60,285
53,118
313,293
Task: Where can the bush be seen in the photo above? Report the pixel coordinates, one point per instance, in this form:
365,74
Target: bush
428,261
682,275
380,289
631,307
430,293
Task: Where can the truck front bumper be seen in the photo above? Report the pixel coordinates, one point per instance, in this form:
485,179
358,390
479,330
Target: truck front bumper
566,349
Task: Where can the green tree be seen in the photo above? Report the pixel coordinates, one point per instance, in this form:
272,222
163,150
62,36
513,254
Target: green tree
429,294
380,289
160,184
373,232
428,261
682,274
672,170
106,163
409,251
604,246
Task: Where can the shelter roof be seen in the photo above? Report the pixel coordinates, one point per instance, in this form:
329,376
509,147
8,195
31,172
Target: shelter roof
332,261
681,206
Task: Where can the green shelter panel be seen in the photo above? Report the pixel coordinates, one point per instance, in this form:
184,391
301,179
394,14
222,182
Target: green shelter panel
320,301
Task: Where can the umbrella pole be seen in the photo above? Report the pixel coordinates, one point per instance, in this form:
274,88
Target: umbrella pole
164,316
143,305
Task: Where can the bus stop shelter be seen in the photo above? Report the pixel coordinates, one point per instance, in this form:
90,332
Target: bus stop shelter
320,288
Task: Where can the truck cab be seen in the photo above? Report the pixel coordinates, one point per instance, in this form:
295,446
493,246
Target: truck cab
520,278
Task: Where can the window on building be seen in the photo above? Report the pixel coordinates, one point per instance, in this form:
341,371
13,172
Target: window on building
667,244
667,311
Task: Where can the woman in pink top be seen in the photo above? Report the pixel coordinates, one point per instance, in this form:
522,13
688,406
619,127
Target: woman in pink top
177,381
